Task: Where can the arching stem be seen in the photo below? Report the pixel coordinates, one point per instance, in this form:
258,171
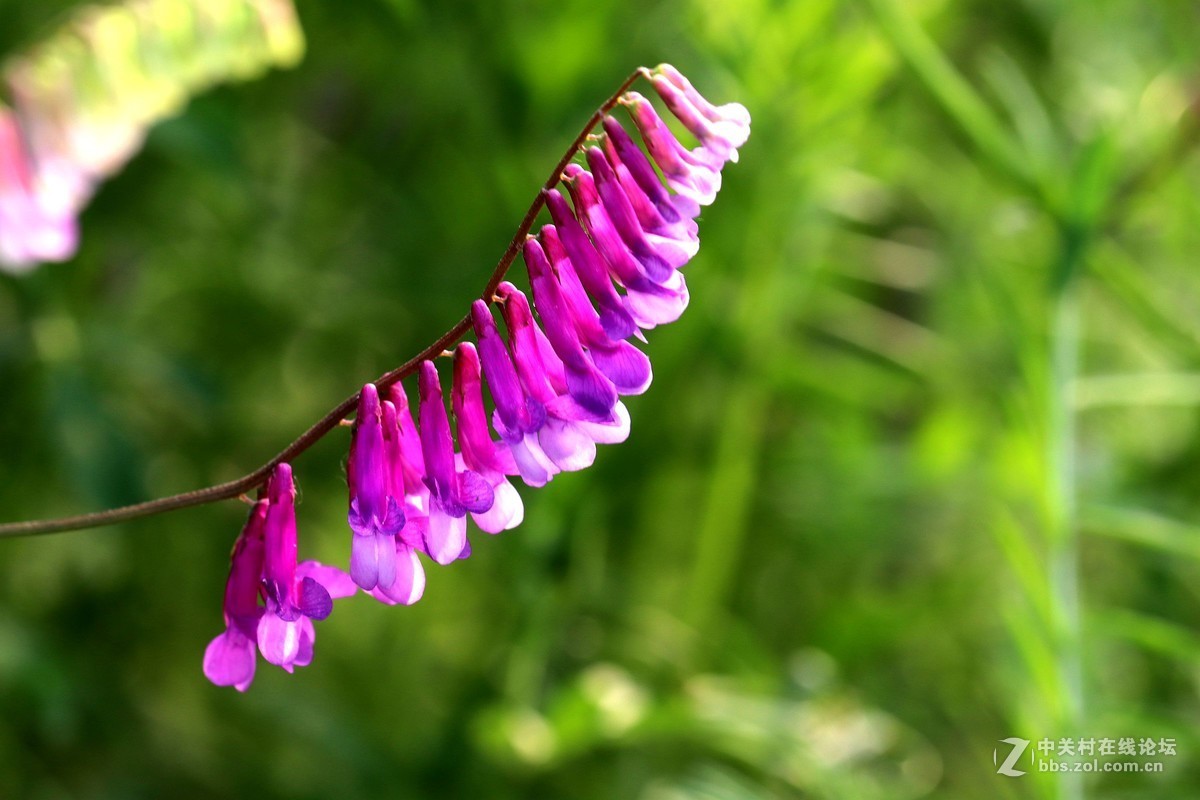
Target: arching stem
234,488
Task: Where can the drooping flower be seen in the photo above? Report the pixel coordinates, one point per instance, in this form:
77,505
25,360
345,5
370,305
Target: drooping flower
571,430
720,129
295,594
229,659
672,215
263,566
452,491
376,515
656,261
651,301
406,462
405,468
687,173
615,318
590,387
659,254
627,367
517,417
479,453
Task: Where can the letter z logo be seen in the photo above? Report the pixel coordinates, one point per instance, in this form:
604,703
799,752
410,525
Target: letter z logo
1018,747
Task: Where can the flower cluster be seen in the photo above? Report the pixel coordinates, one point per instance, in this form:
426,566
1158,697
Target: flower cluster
605,269
83,100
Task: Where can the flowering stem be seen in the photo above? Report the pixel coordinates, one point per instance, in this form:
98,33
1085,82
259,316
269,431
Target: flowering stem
239,486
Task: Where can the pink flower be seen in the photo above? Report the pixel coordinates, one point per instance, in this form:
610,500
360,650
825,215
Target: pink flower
263,566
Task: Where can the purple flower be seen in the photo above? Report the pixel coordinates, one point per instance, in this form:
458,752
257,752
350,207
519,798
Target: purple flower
479,452
263,565
295,596
605,270
651,302
590,387
658,257
591,269
660,211
406,472
517,417
689,174
571,431
229,658
627,367
720,129
375,513
452,491
406,462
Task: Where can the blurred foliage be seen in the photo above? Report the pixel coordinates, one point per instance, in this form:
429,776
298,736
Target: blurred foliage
828,563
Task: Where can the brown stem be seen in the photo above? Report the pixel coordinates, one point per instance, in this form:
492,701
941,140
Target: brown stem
234,488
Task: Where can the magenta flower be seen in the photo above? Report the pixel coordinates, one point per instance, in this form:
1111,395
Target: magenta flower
406,462
720,129
689,174
263,565
406,471
658,258
229,658
479,452
627,367
615,319
517,417
668,214
452,491
571,431
375,514
651,301
295,595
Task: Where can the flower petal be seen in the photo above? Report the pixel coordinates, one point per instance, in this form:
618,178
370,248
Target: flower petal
626,366
473,492
364,561
567,446
315,601
720,137
278,640
507,511
279,535
518,414
409,585
622,265
590,388
479,451
447,535
653,304
614,431
336,582
308,637
229,660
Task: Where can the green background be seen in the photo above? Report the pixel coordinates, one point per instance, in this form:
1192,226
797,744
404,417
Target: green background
917,472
